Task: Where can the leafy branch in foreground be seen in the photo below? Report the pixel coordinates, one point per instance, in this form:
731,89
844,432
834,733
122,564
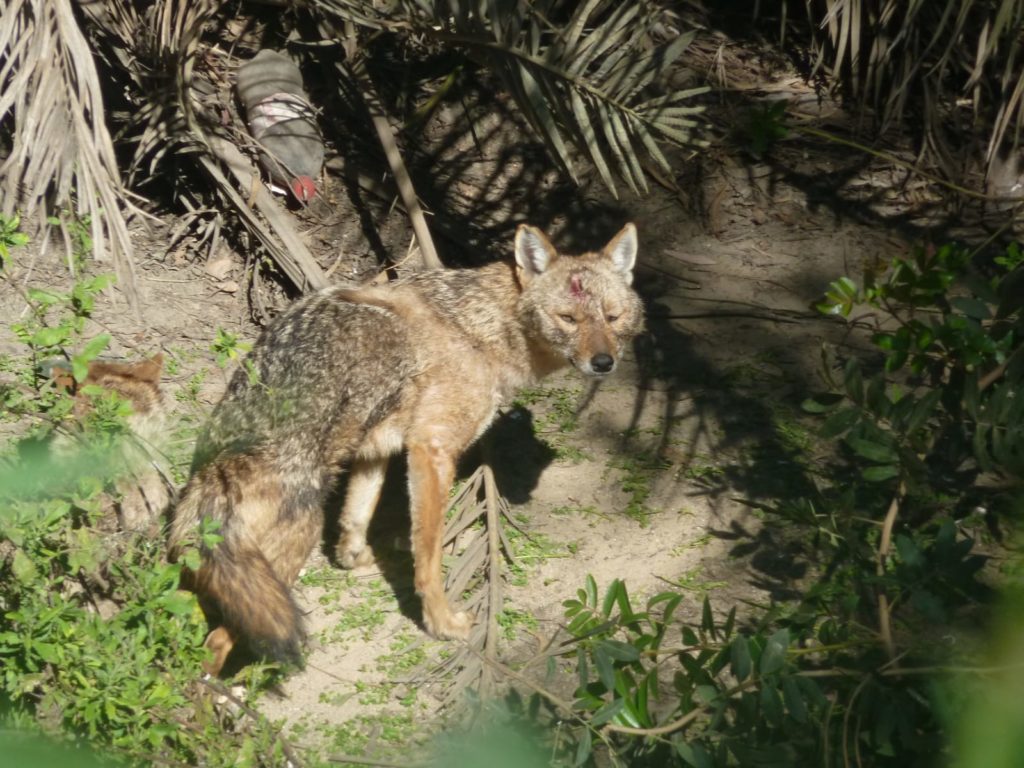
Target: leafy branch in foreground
98,644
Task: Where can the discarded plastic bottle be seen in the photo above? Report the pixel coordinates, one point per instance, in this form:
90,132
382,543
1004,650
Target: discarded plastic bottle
282,121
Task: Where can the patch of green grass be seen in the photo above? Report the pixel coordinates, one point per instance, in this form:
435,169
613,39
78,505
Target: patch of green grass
341,738
655,431
699,543
590,513
406,652
744,374
638,473
562,409
335,698
762,368
10,364
179,448
327,577
397,728
17,391
790,432
512,619
701,470
11,237
374,693
353,737
189,393
570,454
375,601
176,356
529,550
575,509
335,583
529,396
555,417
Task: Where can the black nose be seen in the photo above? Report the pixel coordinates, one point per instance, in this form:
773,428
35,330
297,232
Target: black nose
602,363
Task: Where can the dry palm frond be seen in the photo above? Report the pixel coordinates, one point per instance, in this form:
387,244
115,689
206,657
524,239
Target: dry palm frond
892,54
62,156
587,74
591,81
177,109
154,52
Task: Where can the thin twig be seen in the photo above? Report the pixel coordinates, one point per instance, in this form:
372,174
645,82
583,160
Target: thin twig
846,718
559,702
904,164
357,760
884,545
224,691
406,191
692,715
997,373
683,721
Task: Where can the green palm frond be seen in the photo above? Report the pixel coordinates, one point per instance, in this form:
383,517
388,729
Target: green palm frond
62,156
592,80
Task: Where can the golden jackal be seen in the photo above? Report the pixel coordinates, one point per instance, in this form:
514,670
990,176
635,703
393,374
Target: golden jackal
144,494
346,378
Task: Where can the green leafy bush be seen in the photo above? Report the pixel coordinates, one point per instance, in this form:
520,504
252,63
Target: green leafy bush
98,644
944,410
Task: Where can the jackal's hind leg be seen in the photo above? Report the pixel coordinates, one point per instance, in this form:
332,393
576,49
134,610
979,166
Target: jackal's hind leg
365,481
431,472
219,642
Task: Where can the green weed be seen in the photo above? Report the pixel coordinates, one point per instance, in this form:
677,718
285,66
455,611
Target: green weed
529,550
511,620
405,653
638,473
699,543
98,644
227,347
11,236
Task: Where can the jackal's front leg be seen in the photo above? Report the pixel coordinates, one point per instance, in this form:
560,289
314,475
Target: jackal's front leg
431,471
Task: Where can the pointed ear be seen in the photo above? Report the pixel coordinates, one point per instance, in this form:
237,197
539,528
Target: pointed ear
622,251
534,252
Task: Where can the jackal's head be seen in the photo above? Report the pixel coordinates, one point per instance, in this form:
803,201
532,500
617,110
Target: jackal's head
581,308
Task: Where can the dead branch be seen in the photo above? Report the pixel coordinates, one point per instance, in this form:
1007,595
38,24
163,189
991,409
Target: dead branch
283,243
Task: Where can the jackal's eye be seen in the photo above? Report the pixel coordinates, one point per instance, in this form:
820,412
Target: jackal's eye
567,319
611,318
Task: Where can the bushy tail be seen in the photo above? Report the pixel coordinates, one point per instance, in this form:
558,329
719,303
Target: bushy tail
235,583
239,586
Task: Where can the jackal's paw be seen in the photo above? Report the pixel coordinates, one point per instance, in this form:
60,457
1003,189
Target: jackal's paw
352,554
449,625
219,642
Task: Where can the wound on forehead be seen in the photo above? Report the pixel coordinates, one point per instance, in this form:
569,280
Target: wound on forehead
576,286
